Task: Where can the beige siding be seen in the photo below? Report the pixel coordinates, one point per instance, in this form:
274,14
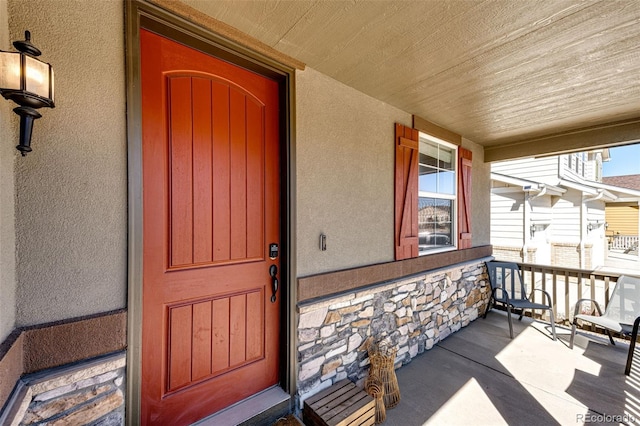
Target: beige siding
622,219
541,169
507,219
566,218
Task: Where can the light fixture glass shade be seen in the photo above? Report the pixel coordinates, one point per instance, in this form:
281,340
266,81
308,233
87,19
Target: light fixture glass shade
26,80
9,70
37,77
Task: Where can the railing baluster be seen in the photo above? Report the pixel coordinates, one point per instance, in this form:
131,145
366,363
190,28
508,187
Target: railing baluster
533,293
566,296
544,288
592,282
579,277
554,296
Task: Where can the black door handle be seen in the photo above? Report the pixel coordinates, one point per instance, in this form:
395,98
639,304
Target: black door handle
273,272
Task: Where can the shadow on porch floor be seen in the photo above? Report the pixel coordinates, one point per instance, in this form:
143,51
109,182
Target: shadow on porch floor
479,376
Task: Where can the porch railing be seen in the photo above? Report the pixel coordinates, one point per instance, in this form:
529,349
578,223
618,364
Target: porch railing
566,286
623,242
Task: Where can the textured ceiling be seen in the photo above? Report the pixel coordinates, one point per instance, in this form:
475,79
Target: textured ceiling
493,71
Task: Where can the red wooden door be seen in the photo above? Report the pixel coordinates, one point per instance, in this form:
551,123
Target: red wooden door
211,208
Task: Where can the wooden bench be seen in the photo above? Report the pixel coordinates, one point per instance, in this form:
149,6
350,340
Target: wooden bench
342,404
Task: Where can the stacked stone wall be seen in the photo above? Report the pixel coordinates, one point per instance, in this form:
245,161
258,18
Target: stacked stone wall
90,393
413,314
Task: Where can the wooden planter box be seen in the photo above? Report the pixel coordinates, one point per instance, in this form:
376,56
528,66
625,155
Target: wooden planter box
342,404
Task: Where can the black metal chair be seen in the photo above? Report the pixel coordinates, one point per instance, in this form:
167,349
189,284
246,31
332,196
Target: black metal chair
507,288
622,314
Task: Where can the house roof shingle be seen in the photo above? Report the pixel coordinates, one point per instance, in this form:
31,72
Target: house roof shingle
626,181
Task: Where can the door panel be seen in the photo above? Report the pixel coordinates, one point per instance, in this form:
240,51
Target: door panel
211,207
240,225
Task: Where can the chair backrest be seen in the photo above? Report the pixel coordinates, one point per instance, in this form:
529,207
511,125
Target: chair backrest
507,276
624,304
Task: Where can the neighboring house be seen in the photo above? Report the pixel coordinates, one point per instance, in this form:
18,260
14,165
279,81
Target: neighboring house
552,210
623,216
218,215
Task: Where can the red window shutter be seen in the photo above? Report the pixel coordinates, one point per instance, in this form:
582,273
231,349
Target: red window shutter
406,192
464,198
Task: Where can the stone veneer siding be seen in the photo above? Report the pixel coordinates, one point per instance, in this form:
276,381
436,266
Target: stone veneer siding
89,393
415,313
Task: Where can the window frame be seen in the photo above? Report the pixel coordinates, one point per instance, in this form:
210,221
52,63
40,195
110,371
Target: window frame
454,198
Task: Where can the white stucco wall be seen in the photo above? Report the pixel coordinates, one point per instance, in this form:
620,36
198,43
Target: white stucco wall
71,190
8,124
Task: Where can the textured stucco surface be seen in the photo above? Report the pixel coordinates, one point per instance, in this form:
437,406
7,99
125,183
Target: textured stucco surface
8,122
480,195
71,190
345,169
345,174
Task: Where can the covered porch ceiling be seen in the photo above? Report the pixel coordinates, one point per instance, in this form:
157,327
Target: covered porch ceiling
521,78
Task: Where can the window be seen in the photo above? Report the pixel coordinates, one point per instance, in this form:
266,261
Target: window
432,193
576,162
437,183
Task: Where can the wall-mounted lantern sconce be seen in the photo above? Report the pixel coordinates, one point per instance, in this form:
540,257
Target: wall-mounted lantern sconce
606,226
28,82
532,229
590,227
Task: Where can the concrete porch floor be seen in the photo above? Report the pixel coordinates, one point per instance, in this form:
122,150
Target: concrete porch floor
479,376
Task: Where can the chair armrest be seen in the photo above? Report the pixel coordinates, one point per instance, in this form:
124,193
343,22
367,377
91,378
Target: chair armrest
546,293
505,294
636,323
579,304
632,346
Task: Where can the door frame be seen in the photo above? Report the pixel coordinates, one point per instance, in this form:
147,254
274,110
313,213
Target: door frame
142,14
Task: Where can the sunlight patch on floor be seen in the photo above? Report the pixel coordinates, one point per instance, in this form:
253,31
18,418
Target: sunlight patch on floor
548,365
544,374
469,406
565,409
631,395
